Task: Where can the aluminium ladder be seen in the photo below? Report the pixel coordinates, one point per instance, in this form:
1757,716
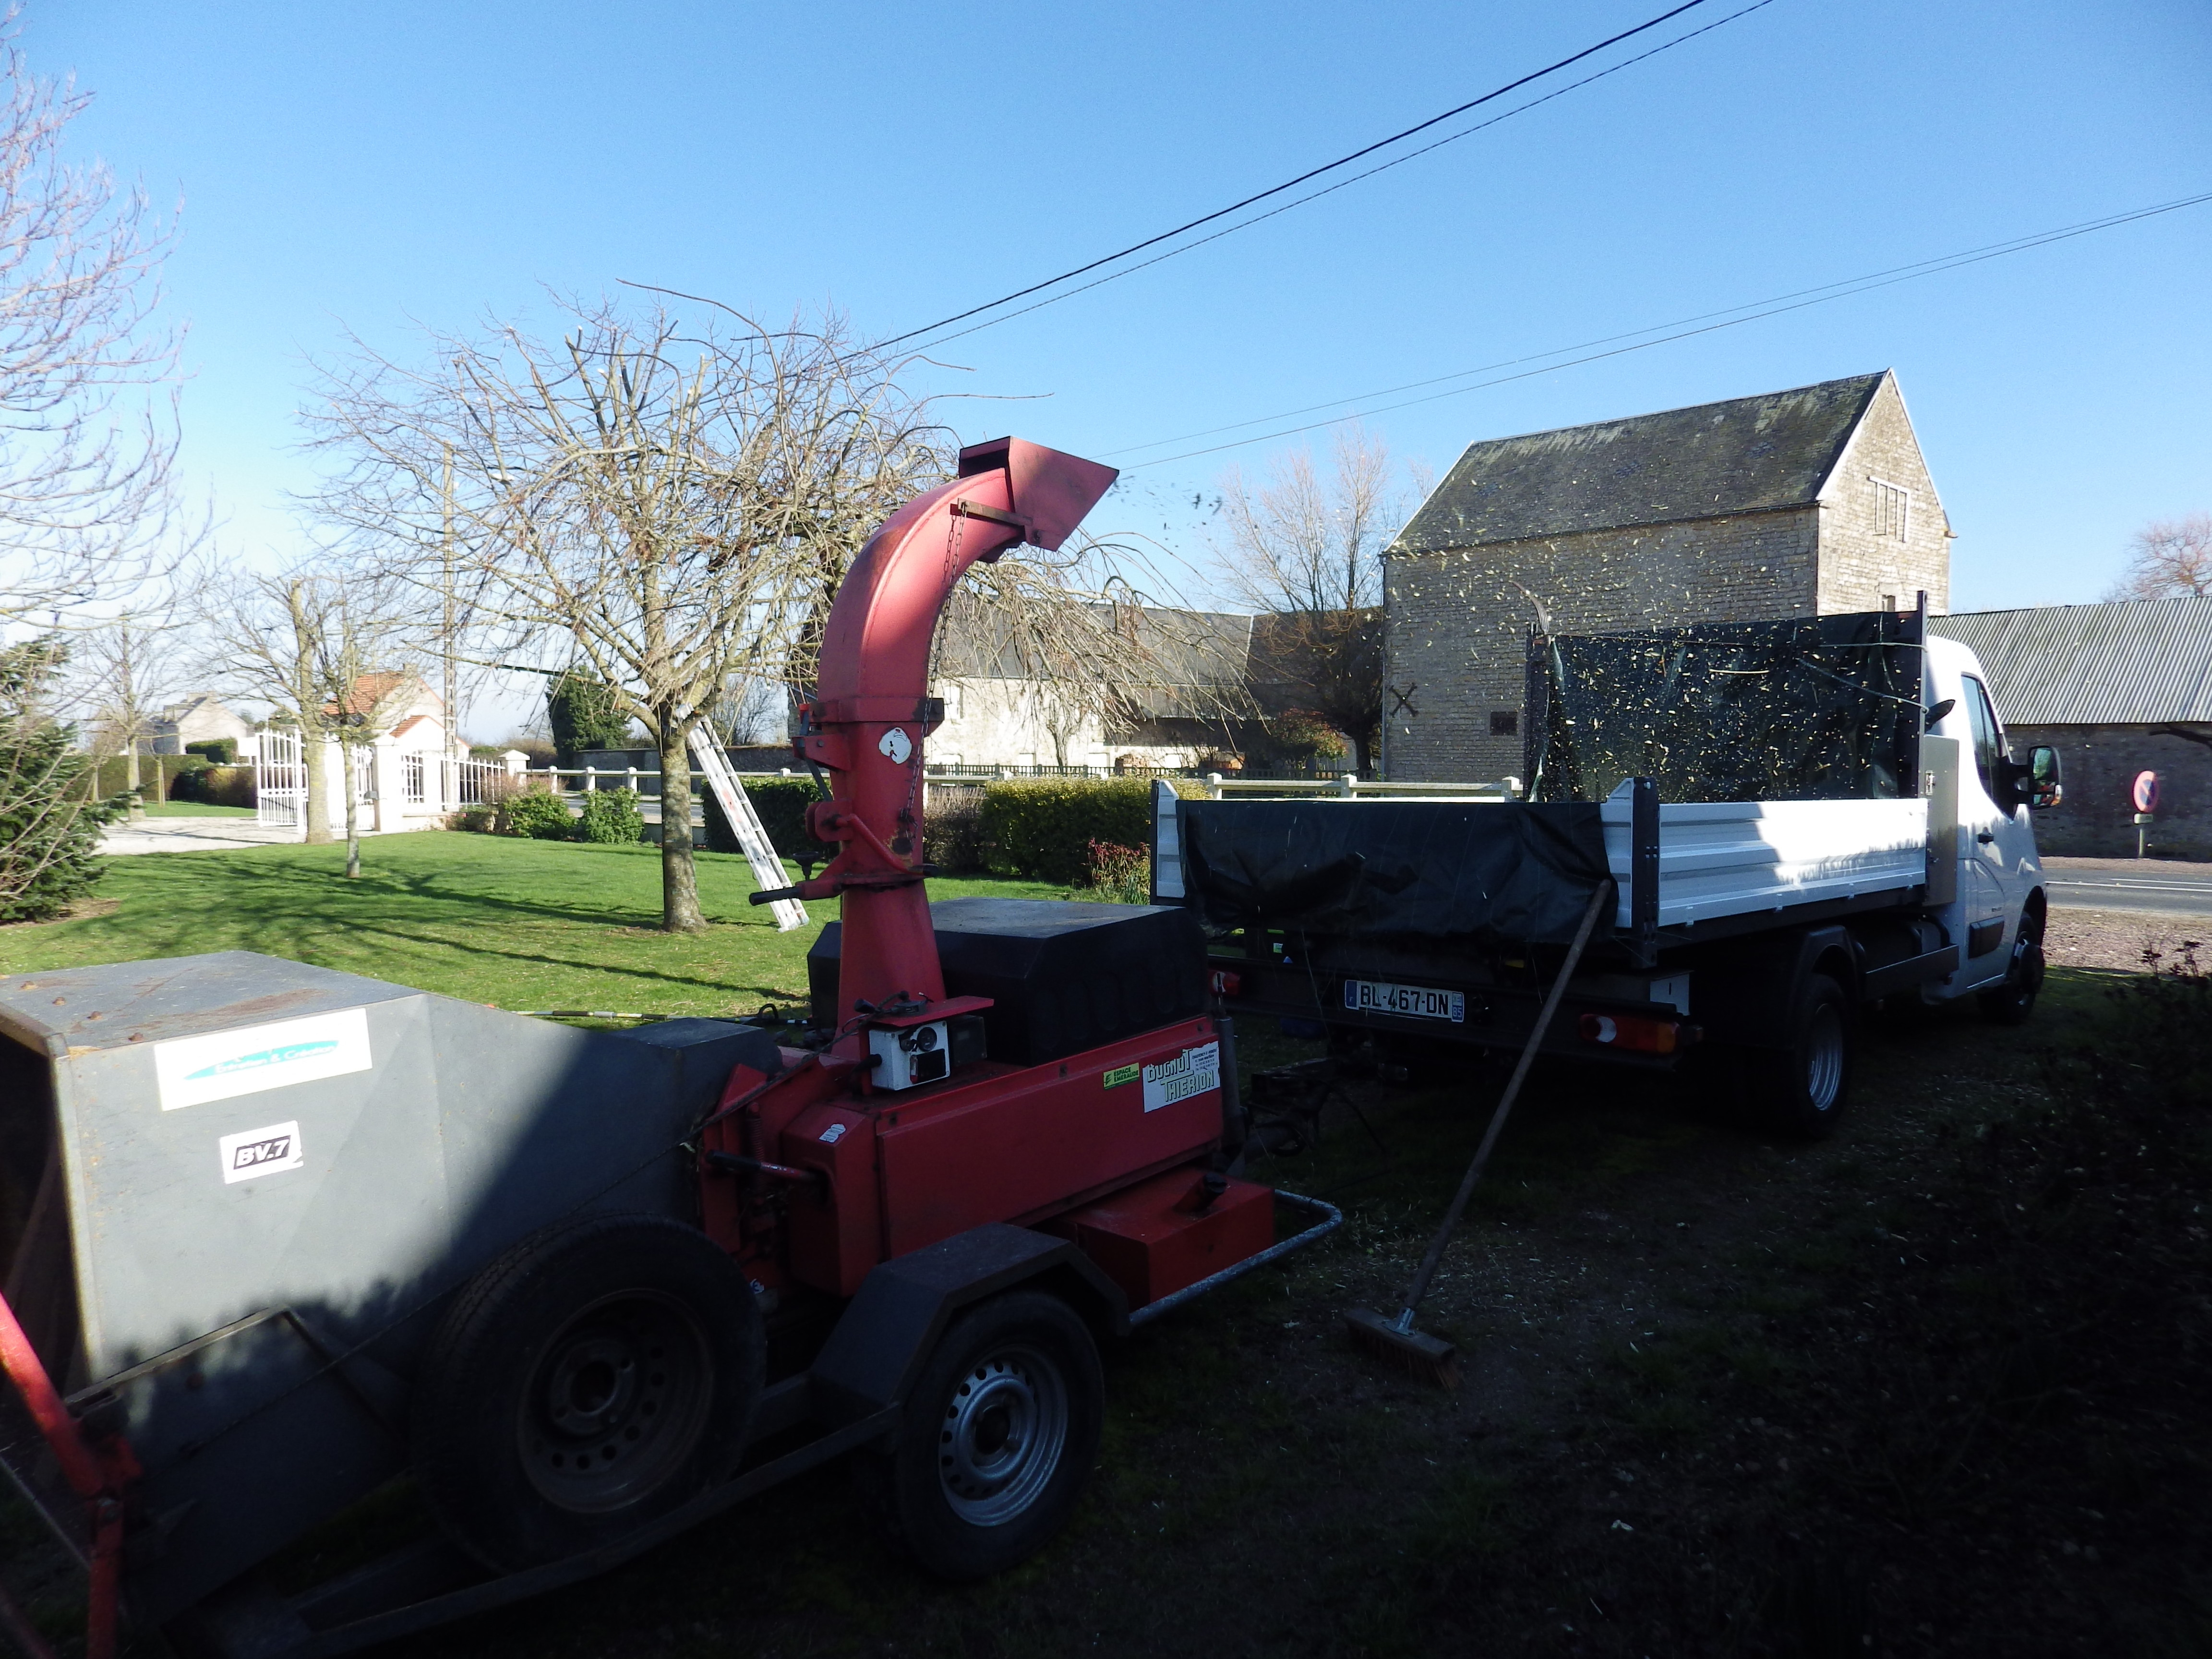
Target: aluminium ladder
744,823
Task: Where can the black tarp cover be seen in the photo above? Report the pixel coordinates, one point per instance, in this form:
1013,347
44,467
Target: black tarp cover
1486,873
1806,709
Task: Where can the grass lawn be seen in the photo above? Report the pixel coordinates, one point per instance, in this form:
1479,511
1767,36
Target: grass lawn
193,809
517,924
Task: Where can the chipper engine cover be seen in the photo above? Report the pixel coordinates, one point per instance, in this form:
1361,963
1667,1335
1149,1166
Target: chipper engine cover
236,1191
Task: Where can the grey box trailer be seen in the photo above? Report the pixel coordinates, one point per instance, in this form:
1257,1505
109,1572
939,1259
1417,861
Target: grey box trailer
236,1193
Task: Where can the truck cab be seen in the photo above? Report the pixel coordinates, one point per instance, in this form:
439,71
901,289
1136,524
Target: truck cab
1995,910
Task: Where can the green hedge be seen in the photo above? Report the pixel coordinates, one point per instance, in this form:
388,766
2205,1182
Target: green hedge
113,770
610,815
1043,831
781,804
218,751
215,785
537,815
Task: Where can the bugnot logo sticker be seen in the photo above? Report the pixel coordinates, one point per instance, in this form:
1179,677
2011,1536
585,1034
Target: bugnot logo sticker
192,1070
256,1152
1193,1072
895,745
833,1134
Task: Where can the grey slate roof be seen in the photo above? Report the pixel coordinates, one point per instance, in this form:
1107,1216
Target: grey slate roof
2133,662
1744,455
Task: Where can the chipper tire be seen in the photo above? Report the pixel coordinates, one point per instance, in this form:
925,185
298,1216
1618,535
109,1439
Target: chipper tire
997,1437
593,1378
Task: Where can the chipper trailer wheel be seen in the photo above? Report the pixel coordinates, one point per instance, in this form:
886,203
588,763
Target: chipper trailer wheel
589,1381
997,1437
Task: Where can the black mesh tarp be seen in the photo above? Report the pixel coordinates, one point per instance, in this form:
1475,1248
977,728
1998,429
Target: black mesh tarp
1487,872
1810,708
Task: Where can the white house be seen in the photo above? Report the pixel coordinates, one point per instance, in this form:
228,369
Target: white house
409,771
200,718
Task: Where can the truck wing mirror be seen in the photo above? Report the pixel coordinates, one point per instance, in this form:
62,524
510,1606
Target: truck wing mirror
1936,711
2044,787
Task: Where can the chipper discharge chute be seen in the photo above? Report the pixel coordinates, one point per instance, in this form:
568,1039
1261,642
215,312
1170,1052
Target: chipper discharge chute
273,1237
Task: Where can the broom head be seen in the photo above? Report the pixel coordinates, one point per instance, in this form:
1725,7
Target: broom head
1428,1357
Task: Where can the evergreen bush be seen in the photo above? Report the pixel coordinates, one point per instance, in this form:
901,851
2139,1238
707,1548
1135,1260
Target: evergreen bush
537,814
216,752
610,815
584,714
50,819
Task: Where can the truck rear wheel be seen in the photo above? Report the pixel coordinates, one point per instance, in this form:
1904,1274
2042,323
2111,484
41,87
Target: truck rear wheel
997,1439
589,1381
1800,1090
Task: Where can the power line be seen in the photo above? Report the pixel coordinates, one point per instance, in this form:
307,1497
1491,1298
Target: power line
1754,310
1292,184
1343,184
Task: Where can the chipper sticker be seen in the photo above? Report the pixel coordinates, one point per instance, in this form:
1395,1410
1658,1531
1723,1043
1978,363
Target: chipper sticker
1193,1072
252,1152
192,1071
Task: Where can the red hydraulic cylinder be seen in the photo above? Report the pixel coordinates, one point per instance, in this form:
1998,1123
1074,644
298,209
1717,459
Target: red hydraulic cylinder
871,711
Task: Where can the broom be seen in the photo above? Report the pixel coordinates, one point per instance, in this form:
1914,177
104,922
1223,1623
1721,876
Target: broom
1394,1340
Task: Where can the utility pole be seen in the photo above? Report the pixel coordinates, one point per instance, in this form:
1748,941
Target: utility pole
452,647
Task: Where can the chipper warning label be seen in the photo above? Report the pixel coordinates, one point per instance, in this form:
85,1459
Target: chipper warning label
1193,1072
260,1152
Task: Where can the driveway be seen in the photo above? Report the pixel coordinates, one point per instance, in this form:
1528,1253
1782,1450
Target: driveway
2161,886
154,834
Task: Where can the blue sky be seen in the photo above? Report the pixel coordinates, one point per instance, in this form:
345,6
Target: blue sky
357,167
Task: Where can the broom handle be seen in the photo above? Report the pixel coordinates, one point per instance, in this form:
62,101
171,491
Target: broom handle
1434,1258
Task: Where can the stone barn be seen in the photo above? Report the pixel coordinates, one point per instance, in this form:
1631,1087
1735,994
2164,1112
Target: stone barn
2117,689
1788,504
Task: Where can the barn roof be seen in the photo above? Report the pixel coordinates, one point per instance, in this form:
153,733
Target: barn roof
2132,662
1746,455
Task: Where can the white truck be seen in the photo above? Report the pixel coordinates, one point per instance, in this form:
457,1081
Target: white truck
1799,821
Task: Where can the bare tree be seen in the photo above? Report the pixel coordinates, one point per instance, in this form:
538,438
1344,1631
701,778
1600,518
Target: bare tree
263,632
88,442
125,671
2169,558
359,660
1094,631
660,504
1306,554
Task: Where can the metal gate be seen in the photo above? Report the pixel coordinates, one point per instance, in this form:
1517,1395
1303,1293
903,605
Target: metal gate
280,780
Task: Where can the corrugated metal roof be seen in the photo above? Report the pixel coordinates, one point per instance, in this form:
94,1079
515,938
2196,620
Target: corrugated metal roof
2135,662
1744,455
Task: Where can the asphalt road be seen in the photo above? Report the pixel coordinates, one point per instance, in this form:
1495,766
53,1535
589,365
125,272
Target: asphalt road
2167,888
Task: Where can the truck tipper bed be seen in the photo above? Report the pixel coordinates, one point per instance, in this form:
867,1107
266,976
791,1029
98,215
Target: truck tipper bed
1799,820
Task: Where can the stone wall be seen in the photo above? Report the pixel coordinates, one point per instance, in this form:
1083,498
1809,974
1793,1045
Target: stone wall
2098,818
1875,545
1459,620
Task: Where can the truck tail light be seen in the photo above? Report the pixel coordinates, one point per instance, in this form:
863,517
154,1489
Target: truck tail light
1227,982
1637,1033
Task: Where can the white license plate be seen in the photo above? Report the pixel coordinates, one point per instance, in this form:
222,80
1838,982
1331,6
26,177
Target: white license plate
1375,996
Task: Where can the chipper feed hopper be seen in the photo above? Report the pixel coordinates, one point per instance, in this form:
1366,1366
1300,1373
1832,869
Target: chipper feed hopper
275,1240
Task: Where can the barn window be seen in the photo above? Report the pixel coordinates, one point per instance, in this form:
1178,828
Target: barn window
1504,722
1892,509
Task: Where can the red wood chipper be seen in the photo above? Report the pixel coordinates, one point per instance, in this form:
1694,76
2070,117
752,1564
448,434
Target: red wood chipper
274,1238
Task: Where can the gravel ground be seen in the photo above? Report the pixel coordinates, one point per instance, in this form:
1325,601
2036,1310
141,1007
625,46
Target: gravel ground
2117,939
